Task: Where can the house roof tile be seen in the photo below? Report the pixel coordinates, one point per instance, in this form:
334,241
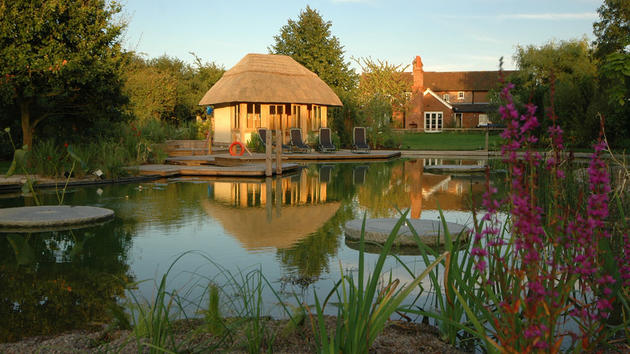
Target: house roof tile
462,80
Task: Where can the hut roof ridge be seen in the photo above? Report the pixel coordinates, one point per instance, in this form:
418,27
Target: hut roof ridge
270,78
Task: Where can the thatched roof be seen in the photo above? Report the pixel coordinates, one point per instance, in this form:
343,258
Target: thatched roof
252,229
268,78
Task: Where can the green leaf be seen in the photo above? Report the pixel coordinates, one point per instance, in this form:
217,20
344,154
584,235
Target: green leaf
19,160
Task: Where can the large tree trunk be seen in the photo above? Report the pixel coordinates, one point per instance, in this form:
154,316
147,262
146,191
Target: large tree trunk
27,128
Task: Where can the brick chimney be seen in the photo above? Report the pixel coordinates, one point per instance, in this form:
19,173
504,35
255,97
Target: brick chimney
414,112
418,75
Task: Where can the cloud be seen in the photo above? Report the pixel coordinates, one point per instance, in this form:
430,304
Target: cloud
551,16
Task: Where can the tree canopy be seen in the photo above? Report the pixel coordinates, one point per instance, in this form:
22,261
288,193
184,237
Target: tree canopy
168,88
567,70
60,60
613,51
309,41
613,28
380,78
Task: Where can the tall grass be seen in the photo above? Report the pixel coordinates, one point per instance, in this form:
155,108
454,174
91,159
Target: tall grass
235,306
453,314
363,310
554,275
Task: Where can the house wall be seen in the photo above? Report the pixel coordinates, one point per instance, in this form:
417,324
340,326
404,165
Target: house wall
421,103
481,96
431,104
225,131
222,129
470,120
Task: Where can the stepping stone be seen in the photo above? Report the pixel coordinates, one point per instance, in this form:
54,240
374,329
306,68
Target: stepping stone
51,217
431,232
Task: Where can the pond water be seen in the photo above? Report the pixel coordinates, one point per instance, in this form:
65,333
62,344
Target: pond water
290,227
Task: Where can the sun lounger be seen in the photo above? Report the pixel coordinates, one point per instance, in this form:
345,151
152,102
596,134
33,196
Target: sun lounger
325,141
360,145
297,144
262,133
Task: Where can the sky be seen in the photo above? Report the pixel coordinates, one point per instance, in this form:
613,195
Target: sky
451,35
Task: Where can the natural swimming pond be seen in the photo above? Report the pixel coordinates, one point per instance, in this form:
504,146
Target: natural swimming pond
291,227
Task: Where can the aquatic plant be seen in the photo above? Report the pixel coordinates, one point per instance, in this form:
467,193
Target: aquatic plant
556,272
363,310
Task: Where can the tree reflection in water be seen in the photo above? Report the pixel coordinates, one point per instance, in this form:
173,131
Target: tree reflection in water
57,281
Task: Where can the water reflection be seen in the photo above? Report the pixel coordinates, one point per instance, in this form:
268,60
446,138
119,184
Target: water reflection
57,281
264,214
293,225
405,185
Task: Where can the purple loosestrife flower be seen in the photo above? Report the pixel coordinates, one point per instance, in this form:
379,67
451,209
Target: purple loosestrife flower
490,231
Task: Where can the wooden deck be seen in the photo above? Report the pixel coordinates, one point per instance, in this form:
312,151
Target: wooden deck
246,170
229,160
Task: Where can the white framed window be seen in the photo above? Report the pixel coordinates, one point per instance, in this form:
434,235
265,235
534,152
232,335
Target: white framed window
483,119
460,95
446,97
433,122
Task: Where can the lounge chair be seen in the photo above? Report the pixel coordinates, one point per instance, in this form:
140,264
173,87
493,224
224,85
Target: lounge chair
360,145
325,141
262,133
297,144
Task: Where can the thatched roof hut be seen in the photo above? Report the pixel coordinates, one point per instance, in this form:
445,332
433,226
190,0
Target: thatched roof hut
267,78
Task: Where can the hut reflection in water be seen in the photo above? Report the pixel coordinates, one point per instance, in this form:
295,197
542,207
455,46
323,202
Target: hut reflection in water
245,209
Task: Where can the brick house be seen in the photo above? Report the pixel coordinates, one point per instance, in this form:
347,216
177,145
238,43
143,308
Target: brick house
447,99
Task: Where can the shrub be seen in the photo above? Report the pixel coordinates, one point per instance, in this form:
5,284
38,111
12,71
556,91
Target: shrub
255,144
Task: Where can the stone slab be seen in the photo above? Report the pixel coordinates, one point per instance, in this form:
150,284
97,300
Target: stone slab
51,217
431,232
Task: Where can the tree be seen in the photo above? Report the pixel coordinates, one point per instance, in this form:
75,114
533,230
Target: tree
572,69
613,28
380,78
613,51
310,42
152,92
61,59
168,88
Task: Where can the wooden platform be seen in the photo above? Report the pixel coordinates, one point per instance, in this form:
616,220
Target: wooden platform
246,170
197,160
341,155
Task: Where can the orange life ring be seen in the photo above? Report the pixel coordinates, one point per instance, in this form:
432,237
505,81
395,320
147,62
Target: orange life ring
237,143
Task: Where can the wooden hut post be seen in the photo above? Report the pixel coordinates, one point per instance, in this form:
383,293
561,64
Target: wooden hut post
268,170
279,152
242,122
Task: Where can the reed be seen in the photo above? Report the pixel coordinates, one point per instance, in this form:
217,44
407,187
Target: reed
363,310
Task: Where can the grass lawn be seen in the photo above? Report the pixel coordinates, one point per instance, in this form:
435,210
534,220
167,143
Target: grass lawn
449,141
4,166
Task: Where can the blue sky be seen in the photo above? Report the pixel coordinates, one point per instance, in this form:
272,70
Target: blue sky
448,35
